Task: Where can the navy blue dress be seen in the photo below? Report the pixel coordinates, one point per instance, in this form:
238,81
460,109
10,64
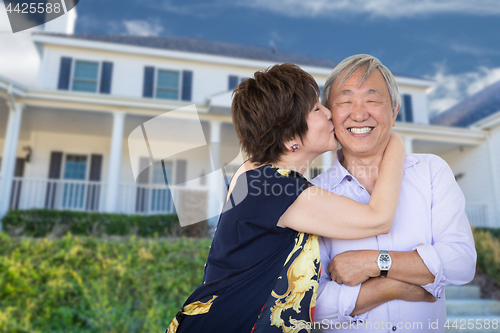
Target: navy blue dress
259,277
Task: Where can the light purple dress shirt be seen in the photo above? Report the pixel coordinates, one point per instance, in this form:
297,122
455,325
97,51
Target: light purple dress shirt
431,211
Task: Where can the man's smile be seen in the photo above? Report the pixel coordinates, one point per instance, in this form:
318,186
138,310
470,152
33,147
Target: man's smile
360,130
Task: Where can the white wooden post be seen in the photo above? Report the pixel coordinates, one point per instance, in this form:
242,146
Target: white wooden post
115,162
9,156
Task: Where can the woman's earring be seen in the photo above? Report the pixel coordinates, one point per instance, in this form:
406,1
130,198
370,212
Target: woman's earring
294,147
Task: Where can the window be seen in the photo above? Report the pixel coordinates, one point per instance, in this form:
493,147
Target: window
161,198
85,76
167,85
75,168
233,81
405,113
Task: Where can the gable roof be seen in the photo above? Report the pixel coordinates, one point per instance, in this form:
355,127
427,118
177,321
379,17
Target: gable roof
204,46
472,109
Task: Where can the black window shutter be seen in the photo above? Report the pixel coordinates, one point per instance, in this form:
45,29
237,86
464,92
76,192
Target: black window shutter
106,77
94,190
95,167
64,73
54,173
232,82
55,165
408,108
187,85
141,199
149,81
180,171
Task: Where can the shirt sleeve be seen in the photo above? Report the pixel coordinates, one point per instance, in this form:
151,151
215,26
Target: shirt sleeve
451,258
335,302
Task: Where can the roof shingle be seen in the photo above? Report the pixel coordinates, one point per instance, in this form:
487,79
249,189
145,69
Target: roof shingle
472,109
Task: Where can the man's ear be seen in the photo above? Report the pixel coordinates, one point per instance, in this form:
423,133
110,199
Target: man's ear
394,116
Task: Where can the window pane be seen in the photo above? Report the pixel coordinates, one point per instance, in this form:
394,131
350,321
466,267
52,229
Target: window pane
158,177
75,167
84,86
86,70
168,94
168,79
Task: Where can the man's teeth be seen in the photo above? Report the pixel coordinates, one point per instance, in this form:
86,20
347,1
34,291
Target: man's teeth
360,130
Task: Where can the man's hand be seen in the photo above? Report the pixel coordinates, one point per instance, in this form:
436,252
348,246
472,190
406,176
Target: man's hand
354,267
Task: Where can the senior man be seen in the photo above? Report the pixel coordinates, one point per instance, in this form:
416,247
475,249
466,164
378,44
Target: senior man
393,282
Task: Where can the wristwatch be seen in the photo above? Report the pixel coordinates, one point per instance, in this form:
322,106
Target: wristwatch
384,262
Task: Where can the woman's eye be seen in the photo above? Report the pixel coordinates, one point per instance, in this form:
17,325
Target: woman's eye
317,109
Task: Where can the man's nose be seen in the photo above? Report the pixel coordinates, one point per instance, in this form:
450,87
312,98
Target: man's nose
359,112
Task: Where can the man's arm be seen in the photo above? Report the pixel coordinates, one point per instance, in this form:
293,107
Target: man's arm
343,303
451,259
355,267
376,291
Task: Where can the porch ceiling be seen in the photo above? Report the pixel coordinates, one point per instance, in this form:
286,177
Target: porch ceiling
65,121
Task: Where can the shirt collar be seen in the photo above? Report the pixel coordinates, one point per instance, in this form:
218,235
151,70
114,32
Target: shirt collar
337,173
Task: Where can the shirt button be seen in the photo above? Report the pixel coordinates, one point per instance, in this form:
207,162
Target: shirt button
349,178
394,328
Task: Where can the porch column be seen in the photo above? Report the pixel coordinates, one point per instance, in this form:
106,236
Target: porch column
9,156
326,160
115,162
214,182
408,144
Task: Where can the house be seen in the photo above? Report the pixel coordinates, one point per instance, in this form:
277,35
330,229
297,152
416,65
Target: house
65,140
477,168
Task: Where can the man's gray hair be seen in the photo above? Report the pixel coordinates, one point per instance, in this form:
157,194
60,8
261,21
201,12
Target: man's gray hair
367,64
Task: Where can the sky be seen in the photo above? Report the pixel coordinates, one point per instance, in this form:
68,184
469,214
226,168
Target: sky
454,42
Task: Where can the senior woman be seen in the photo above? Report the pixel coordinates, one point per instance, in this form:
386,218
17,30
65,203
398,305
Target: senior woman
263,267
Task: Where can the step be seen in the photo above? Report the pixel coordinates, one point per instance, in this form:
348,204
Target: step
462,292
477,322
472,307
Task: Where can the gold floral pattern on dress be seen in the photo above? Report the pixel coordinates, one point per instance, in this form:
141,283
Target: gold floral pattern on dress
191,309
283,172
302,277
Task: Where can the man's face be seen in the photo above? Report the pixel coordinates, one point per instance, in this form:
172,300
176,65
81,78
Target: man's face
362,115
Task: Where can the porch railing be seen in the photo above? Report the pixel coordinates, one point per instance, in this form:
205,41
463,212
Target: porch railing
477,214
79,195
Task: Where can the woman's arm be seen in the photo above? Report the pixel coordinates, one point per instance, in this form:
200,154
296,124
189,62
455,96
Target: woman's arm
320,212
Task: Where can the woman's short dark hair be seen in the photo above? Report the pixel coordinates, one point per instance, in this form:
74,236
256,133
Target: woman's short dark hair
271,108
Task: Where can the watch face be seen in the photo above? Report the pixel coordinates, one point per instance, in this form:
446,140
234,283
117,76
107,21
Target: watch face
384,261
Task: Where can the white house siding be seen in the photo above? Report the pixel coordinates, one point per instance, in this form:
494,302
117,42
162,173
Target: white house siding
128,71
476,180
419,102
494,155
43,143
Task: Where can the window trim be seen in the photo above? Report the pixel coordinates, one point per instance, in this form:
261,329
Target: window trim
155,84
98,79
87,167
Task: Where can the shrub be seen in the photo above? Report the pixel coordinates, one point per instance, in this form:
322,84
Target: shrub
44,222
488,253
88,284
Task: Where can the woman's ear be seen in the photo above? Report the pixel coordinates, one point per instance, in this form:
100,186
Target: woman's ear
292,145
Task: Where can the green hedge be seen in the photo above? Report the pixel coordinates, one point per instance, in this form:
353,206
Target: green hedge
488,252
88,284
44,222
